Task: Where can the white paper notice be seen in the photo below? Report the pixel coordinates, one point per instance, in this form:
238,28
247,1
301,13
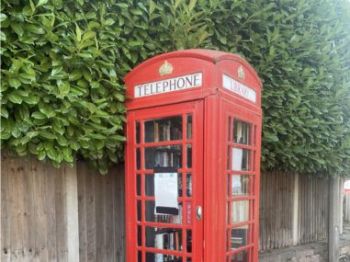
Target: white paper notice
165,190
237,156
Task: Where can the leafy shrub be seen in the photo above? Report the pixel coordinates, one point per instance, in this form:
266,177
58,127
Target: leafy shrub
63,63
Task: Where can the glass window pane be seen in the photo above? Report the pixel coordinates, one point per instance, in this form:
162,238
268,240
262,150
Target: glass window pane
189,185
240,185
139,235
240,211
138,132
151,215
239,237
138,158
139,210
240,257
138,185
163,156
241,132
164,129
189,240
189,156
189,126
155,257
229,188
164,238
139,256
240,159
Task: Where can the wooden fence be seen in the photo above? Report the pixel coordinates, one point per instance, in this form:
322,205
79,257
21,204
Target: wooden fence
66,214
293,210
74,214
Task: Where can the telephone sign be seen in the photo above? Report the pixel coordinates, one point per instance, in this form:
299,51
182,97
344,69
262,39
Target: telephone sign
193,158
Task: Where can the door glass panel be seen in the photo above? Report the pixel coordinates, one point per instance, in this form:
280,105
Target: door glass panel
138,158
164,129
189,156
156,257
139,210
189,126
138,132
139,235
241,132
139,256
164,238
240,159
138,185
189,240
189,185
240,185
240,211
163,156
152,216
240,257
239,237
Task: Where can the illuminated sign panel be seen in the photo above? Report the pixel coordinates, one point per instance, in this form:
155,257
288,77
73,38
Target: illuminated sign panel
238,88
169,85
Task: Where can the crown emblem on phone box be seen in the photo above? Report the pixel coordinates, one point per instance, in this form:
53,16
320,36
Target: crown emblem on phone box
166,68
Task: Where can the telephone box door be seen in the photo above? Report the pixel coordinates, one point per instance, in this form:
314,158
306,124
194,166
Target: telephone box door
165,183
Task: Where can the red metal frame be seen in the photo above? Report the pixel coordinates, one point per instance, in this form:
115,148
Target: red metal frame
212,106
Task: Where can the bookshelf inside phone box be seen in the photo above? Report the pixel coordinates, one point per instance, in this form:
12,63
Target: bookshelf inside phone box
193,158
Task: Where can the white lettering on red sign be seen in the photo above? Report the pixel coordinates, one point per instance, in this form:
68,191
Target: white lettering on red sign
238,88
169,85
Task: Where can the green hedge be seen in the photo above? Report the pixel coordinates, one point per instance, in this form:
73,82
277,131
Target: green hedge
63,63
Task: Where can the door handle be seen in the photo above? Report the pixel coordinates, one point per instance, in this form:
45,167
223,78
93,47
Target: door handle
199,213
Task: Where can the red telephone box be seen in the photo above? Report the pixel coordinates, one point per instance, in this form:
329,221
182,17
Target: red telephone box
193,158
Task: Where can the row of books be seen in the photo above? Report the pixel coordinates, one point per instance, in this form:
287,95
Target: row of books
163,130
166,156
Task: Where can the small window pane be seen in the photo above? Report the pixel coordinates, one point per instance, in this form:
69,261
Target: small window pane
138,132
189,240
164,238
239,237
240,159
189,126
154,257
189,185
138,185
240,257
163,156
240,185
139,235
139,256
164,129
241,132
240,211
138,158
151,215
189,156
139,210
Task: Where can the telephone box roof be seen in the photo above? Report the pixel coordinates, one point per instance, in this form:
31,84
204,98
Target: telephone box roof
212,56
